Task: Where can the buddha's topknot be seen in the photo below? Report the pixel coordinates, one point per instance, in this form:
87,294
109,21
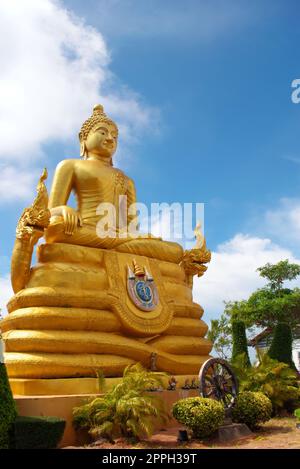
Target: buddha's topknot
97,116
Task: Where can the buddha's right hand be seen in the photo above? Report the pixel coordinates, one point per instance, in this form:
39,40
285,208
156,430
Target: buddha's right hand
72,219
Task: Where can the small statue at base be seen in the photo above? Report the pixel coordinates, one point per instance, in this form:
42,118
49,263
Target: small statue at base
194,385
153,361
172,384
186,384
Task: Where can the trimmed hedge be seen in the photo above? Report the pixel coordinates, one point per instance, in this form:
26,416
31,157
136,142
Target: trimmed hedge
8,411
239,342
281,346
203,416
252,408
38,432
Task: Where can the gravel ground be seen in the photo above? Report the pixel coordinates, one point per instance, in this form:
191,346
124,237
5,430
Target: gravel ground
278,433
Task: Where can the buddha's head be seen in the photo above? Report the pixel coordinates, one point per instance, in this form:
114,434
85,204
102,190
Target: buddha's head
98,136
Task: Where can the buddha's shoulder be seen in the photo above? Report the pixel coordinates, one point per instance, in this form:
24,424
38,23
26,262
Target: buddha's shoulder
72,164
67,164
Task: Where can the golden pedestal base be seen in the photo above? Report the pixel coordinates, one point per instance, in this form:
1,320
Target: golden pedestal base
76,317
73,386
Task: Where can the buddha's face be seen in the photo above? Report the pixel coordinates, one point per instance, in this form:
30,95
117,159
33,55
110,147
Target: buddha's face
102,140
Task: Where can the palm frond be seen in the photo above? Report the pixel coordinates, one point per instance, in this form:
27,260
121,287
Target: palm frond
127,409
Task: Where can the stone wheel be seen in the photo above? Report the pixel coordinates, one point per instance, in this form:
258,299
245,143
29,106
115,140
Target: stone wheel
218,381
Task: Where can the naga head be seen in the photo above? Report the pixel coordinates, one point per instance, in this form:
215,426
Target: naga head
36,218
193,260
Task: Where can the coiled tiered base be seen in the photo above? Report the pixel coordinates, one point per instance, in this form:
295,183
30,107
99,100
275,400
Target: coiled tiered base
75,317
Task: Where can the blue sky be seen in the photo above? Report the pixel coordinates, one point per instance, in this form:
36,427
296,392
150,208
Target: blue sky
202,91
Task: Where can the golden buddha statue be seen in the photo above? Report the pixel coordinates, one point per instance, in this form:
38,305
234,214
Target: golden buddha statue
94,181
98,300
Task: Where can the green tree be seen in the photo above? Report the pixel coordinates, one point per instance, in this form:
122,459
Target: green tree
239,342
220,335
281,346
278,273
265,307
271,304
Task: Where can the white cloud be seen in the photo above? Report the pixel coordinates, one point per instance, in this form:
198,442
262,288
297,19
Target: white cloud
16,184
54,68
283,223
5,293
232,275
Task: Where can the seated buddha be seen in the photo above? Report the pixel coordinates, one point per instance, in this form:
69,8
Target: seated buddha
95,181
96,299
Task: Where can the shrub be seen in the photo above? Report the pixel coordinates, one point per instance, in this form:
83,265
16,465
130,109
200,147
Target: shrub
8,410
252,408
239,342
127,410
182,408
281,346
203,416
38,432
297,414
274,379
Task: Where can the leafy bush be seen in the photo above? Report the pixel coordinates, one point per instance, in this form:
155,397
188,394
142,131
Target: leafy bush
203,416
281,346
127,410
8,411
297,414
38,432
239,341
274,379
252,408
181,409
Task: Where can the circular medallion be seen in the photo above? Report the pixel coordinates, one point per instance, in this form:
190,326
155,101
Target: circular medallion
143,291
141,288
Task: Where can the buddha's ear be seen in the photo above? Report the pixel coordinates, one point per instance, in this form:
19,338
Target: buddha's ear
82,149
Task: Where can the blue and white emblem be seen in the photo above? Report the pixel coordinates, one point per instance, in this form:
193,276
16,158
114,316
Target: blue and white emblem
141,288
